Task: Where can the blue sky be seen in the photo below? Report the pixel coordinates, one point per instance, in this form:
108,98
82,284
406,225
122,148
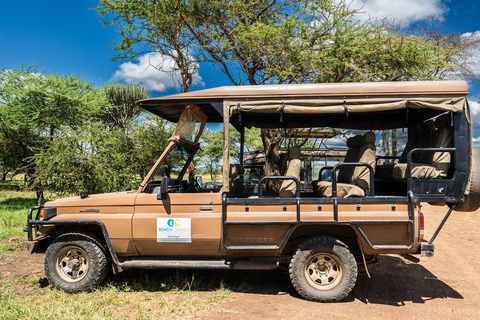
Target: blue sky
67,37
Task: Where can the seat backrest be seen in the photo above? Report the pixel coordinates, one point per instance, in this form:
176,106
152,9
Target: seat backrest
428,130
411,142
366,154
442,138
345,173
236,181
289,187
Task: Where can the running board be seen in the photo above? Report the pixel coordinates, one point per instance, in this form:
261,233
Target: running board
238,264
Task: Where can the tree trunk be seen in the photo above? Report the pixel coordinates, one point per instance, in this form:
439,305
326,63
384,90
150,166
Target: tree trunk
386,147
394,142
274,163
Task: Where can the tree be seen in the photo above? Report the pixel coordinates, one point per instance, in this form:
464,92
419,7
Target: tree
212,152
35,108
122,109
88,159
156,24
271,41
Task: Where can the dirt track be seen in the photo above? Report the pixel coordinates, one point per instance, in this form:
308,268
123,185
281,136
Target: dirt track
445,286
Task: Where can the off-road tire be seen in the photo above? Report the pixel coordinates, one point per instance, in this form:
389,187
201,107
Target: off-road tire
321,247
85,253
472,200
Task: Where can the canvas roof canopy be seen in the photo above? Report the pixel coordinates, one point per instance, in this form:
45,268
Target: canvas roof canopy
370,105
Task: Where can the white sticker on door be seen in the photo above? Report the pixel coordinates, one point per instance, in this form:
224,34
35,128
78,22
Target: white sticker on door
174,230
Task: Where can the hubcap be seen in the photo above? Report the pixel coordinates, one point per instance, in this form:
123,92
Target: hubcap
72,264
323,271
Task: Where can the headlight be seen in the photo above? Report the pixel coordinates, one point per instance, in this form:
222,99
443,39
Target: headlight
48,213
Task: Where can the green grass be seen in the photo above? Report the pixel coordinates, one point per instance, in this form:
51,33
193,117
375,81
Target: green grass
13,212
133,294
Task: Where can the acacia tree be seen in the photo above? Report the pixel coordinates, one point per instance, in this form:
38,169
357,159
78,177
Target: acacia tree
35,108
271,41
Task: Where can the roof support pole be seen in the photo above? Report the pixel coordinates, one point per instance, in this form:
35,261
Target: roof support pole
226,146
242,144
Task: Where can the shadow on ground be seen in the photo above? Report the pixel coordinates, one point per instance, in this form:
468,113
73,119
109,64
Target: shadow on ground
393,282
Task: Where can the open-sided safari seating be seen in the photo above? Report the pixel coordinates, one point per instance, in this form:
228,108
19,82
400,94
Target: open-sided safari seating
328,235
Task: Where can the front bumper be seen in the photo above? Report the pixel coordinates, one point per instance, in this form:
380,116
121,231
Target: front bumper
37,243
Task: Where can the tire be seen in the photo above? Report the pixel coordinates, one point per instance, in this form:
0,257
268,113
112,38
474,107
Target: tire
75,262
472,200
323,269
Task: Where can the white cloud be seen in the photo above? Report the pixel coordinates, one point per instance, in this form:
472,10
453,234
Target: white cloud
154,71
404,12
476,143
474,103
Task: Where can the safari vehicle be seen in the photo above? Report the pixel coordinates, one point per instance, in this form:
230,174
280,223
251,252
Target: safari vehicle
327,235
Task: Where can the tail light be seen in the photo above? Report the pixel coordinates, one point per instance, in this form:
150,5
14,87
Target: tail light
421,225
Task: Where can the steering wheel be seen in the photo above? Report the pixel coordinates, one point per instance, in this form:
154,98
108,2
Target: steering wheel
194,184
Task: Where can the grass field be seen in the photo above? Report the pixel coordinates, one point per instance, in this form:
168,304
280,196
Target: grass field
134,294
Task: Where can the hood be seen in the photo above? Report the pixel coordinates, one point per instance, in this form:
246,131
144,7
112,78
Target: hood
125,198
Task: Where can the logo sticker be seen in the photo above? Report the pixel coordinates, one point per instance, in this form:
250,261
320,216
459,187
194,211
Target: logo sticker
174,230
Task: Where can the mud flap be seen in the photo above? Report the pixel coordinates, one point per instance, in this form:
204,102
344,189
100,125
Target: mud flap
427,249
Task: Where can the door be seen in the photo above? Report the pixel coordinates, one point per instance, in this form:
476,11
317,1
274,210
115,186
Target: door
182,224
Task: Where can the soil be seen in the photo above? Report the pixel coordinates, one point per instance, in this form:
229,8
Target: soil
445,286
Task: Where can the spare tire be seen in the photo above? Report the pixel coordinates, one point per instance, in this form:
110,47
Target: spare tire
472,200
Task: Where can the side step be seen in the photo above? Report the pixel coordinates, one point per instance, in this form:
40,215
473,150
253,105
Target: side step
175,263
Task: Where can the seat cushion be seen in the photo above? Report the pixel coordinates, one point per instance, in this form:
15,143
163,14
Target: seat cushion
344,190
419,171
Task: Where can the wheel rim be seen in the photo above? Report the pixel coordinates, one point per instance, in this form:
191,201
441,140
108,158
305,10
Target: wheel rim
323,271
72,264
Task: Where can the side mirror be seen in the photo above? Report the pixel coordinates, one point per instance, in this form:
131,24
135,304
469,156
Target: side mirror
199,181
163,189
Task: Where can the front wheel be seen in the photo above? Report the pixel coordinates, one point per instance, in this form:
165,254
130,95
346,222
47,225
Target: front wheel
323,269
75,262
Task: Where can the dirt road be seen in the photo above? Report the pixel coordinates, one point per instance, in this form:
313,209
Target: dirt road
446,286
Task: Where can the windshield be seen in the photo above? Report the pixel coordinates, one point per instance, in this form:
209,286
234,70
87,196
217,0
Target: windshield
173,164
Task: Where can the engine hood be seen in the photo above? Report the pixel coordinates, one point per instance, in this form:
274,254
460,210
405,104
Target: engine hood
126,198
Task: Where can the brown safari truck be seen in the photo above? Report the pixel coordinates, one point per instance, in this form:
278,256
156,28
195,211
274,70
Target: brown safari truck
327,235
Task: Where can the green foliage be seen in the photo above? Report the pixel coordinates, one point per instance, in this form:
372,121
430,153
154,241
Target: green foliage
212,152
150,136
122,108
67,136
266,41
86,160
36,108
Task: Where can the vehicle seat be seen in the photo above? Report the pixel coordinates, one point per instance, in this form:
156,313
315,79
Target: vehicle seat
289,187
385,171
236,181
359,180
431,165
353,144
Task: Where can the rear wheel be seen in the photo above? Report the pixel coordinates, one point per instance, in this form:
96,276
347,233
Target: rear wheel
75,262
323,269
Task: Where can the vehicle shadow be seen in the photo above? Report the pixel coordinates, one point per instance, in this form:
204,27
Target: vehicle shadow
396,281
393,282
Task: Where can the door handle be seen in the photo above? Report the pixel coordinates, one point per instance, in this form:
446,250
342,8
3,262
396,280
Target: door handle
206,208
